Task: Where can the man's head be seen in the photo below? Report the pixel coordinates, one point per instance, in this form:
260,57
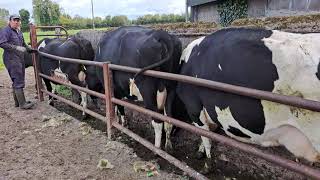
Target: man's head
14,21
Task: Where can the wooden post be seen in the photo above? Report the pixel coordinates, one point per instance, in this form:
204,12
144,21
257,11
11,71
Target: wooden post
35,58
110,111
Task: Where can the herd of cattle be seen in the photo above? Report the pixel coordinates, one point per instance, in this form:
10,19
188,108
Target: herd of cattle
268,60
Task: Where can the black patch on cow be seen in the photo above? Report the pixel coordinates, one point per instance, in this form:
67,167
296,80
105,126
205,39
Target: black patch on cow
140,47
235,56
237,132
318,72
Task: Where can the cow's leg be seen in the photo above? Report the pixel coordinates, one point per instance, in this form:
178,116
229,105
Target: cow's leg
149,95
291,138
84,103
120,114
49,88
167,126
76,96
199,118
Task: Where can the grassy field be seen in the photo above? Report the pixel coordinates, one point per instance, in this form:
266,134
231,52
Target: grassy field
27,39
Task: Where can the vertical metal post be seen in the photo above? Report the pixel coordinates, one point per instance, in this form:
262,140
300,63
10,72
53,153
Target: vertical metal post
110,114
187,13
33,38
93,26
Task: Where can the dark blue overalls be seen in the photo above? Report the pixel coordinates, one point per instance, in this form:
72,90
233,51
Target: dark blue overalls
13,59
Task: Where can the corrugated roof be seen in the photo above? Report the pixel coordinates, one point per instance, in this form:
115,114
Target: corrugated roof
198,2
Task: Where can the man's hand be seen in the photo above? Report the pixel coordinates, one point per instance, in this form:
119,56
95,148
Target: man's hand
21,49
30,49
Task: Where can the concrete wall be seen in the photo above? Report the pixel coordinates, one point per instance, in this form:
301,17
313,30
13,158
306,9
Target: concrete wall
257,8
205,13
292,7
260,8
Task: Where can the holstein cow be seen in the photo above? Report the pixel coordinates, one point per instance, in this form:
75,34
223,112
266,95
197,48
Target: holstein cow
74,47
145,48
268,60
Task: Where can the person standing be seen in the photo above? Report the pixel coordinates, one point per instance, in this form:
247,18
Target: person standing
12,41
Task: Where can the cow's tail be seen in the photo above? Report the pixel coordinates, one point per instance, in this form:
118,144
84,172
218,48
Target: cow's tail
164,37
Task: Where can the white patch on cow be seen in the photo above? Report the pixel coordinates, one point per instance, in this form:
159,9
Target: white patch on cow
296,57
187,51
84,101
205,141
158,133
206,119
161,99
288,136
201,147
123,120
220,67
42,45
226,119
134,90
82,76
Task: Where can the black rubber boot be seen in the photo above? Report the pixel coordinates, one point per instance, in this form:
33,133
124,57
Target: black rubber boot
16,103
22,100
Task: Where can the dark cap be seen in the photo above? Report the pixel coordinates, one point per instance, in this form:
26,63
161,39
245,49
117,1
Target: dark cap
14,16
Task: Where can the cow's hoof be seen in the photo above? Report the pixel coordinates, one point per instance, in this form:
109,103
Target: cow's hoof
207,168
51,103
200,155
83,117
168,147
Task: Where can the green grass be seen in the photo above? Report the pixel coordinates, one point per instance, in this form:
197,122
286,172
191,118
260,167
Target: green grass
63,90
1,60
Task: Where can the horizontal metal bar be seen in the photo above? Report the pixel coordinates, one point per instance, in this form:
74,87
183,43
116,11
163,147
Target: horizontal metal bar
49,27
94,114
184,167
300,168
94,93
258,94
52,34
70,60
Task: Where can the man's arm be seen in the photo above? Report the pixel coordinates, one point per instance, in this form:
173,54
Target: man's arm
4,38
29,48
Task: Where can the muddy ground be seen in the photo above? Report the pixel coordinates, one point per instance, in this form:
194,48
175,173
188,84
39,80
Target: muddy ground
32,149
45,143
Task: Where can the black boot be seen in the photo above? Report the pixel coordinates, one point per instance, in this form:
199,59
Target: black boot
16,103
22,100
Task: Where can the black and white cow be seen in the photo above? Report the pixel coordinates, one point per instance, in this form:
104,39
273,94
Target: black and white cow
145,48
268,60
74,47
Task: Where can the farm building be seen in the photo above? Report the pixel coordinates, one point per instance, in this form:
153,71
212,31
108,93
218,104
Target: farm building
210,10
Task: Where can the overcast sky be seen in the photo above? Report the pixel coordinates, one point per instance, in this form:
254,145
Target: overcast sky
131,8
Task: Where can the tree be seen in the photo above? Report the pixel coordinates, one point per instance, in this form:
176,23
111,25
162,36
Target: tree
4,14
157,18
46,12
25,19
119,21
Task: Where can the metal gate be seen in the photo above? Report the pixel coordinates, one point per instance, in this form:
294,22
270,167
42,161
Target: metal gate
111,101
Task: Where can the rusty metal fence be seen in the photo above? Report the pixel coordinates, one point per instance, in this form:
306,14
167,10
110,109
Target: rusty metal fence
111,101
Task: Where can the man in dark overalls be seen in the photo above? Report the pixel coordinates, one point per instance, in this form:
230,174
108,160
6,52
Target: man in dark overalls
11,40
